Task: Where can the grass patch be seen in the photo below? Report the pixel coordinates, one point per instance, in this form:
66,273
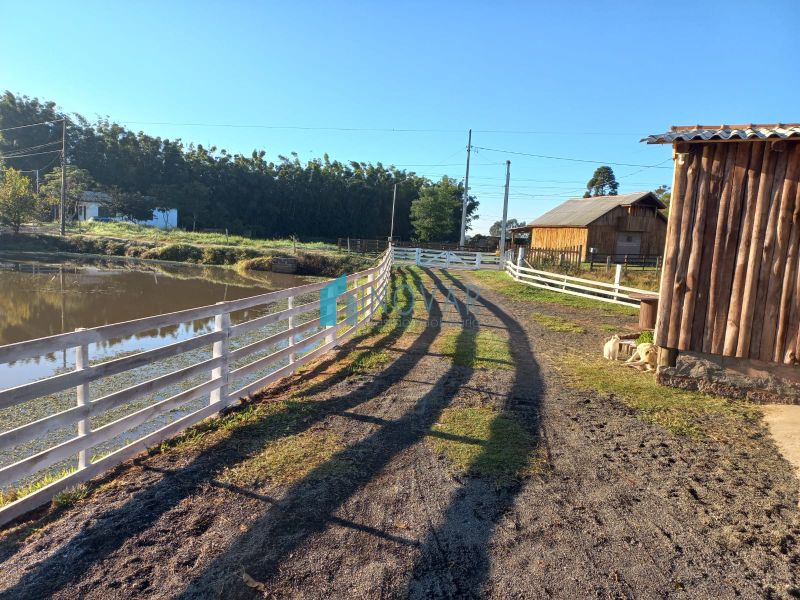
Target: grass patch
133,231
643,279
71,495
502,283
609,328
557,323
363,361
12,494
290,459
475,349
483,442
681,412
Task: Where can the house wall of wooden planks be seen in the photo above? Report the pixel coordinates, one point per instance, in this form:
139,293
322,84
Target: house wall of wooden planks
731,281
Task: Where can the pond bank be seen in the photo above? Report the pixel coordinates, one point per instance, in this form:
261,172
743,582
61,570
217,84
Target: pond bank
317,263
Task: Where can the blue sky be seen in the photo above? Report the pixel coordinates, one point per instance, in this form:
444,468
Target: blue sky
581,80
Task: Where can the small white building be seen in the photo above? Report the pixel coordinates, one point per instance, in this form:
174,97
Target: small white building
96,205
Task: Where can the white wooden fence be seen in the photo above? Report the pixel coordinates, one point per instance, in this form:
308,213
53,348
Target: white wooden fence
447,259
297,345
565,284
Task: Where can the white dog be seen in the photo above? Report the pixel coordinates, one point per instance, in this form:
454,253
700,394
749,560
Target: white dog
611,349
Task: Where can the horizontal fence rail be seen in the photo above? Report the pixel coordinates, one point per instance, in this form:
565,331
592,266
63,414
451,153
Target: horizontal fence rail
274,355
576,286
447,259
376,246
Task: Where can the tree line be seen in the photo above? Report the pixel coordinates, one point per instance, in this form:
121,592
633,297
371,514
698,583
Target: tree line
214,189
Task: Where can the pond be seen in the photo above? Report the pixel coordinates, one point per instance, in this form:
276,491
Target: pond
42,296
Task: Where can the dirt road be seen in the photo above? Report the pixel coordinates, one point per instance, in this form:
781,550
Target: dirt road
608,506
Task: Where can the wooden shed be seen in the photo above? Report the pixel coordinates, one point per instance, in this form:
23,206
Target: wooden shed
625,225
731,284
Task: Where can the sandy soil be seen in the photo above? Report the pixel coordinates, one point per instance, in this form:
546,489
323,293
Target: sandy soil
783,421
621,509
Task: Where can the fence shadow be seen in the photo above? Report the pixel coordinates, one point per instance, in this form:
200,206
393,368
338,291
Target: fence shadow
310,504
110,530
454,559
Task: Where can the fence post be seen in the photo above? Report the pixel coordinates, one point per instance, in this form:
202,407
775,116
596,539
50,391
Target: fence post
617,280
370,301
83,399
417,255
520,254
477,260
348,244
591,261
292,357
222,322
608,263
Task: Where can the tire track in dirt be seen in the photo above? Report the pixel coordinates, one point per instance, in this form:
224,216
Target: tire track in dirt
599,443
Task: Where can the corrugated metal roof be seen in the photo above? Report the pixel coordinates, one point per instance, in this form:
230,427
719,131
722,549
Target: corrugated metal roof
580,212
688,133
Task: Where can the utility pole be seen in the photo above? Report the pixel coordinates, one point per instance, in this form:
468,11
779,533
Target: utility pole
466,196
394,200
37,182
63,173
505,214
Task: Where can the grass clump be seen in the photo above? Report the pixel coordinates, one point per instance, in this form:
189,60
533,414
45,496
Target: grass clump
646,337
476,349
482,442
71,495
332,265
12,494
682,412
555,323
363,361
502,283
290,459
260,263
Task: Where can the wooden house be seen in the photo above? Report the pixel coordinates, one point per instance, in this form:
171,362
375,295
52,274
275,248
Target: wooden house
626,225
731,283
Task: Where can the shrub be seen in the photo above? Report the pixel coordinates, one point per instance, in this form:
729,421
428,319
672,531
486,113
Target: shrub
175,252
260,263
326,265
645,337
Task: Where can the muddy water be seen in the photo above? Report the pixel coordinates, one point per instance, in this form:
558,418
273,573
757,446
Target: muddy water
39,298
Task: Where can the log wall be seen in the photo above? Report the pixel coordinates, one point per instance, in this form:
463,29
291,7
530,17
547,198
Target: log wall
731,282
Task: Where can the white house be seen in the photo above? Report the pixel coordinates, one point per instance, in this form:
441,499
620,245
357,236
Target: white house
95,205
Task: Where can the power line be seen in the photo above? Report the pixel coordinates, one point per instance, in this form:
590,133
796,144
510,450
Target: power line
24,150
294,127
31,125
581,160
27,155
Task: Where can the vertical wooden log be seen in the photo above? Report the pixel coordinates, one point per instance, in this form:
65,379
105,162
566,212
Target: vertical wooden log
767,254
726,263
750,293
743,250
789,314
687,222
670,248
693,286
771,344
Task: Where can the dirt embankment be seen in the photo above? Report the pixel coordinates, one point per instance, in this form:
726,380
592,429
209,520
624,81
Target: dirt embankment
385,498
317,263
